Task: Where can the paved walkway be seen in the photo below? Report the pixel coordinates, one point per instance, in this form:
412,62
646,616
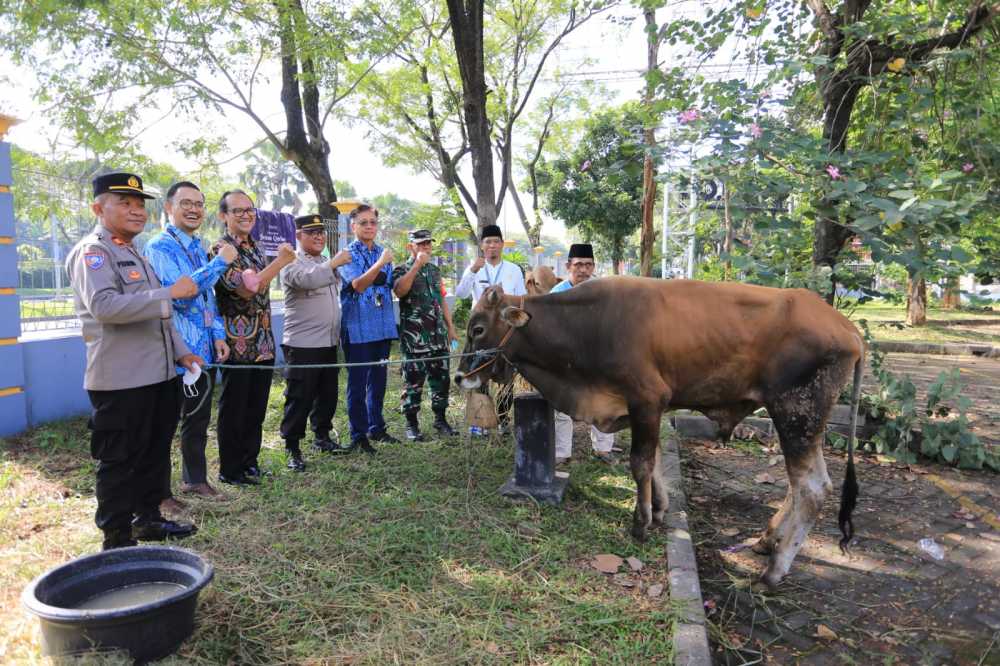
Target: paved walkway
889,602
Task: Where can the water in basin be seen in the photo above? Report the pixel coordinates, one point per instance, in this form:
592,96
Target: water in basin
131,595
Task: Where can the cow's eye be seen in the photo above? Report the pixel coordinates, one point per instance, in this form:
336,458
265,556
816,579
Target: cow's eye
477,331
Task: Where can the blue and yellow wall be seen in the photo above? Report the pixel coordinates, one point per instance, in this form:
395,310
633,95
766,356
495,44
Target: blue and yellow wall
13,405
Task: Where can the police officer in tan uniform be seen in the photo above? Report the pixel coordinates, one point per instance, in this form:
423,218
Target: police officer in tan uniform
132,348
310,336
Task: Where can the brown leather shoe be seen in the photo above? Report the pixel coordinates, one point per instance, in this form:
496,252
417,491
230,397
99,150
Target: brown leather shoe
201,489
172,505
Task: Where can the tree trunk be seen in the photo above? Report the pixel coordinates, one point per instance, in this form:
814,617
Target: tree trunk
952,299
648,234
727,243
916,300
829,235
617,251
467,31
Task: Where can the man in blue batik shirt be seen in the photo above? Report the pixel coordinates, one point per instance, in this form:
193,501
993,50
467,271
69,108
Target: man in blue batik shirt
367,328
174,253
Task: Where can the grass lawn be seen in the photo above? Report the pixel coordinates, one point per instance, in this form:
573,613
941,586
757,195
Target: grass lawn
887,323
410,557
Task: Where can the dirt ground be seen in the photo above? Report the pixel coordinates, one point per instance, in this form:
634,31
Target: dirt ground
889,601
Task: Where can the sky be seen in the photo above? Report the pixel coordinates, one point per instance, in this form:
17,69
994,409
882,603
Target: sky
617,57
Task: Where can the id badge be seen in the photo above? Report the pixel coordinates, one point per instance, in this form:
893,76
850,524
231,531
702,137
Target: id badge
207,318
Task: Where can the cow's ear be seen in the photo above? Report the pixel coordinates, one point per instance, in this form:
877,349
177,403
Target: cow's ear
516,317
493,296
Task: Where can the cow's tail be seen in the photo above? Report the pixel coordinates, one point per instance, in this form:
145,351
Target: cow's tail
849,491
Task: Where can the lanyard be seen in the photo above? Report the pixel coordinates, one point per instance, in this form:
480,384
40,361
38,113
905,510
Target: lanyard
496,276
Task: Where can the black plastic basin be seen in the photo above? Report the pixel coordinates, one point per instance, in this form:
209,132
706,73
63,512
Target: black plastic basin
149,630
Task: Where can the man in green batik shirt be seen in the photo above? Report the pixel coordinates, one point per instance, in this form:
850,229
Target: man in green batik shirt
425,329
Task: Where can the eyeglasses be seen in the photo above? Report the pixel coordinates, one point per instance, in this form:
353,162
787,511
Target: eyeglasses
187,204
582,264
240,212
314,232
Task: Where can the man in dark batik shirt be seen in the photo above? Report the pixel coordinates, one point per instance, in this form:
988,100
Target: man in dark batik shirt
425,329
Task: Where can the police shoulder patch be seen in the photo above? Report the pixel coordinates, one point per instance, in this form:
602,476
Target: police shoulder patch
94,259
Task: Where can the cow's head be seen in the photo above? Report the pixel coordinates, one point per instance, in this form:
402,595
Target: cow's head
490,326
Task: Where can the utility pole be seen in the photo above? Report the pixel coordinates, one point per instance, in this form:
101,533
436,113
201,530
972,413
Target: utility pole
665,236
692,221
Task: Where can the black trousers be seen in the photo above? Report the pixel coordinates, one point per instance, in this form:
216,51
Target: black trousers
131,431
196,414
242,408
310,393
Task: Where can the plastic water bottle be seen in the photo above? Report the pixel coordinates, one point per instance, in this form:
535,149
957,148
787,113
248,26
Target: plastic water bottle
932,548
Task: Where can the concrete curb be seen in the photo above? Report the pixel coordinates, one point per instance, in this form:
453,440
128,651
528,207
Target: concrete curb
690,637
938,349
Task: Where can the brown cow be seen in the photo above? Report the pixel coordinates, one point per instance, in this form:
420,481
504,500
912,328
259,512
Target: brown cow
540,280
616,352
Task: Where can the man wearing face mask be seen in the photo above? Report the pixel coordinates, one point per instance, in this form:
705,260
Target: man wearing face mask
580,267
131,379
173,254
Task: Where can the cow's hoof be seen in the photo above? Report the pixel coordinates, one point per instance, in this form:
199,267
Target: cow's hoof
658,517
639,533
771,578
762,547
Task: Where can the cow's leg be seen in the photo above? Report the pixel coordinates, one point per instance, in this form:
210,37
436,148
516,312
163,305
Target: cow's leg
645,422
765,544
799,416
661,499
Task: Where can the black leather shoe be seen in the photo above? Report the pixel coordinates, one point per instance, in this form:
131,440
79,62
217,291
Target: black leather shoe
324,445
296,463
441,425
158,529
241,480
364,445
383,437
254,472
118,539
338,450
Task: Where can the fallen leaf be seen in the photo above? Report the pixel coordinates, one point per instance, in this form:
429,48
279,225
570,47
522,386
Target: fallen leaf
884,460
492,648
918,469
654,591
825,632
634,563
606,563
971,525
764,477
896,65
992,536
910,477
729,532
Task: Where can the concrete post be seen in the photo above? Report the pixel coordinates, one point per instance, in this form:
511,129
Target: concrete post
13,403
535,456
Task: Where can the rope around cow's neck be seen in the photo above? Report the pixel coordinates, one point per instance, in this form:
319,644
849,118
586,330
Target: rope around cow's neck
496,352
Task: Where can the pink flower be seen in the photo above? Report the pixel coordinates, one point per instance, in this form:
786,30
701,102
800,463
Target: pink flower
968,167
585,167
833,171
756,131
689,116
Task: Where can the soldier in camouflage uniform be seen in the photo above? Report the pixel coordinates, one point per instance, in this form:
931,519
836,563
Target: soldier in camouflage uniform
425,330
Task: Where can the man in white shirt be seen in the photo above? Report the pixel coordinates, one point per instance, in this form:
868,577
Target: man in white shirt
487,270
490,269
580,267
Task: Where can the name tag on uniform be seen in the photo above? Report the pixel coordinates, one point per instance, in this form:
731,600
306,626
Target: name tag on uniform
126,263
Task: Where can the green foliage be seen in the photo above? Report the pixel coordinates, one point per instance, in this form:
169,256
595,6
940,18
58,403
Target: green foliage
596,187
917,180
895,409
